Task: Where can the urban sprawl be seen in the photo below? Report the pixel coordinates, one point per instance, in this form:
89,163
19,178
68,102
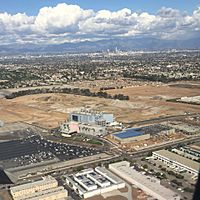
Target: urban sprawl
109,125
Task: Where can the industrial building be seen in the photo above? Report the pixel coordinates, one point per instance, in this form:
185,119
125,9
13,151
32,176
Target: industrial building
142,133
130,135
184,127
179,162
149,185
190,151
74,127
91,117
90,182
157,129
45,189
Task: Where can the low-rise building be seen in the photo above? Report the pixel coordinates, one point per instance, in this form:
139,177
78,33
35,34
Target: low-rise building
142,133
89,129
190,151
45,189
90,182
57,193
130,135
149,185
179,162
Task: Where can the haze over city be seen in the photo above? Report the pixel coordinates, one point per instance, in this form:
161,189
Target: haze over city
99,100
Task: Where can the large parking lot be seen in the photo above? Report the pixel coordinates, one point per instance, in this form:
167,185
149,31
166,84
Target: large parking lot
35,149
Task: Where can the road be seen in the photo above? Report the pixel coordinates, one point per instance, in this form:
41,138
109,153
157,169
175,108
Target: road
171,144
161,119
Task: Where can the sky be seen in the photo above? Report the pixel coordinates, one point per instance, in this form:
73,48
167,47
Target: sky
55,21
31,7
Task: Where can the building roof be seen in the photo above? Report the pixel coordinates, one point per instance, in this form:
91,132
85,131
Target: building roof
43,194
97,177
109,175
133,132
180,159
46,180
142,181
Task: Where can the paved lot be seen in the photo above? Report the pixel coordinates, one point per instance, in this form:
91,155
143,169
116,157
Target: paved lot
36,149
10,127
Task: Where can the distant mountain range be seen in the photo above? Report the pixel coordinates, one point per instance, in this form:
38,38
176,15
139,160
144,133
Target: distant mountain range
102,45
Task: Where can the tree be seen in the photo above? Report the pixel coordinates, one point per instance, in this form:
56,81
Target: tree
79,168
145,166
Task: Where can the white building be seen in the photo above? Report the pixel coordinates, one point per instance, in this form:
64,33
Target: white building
58,193
179,162
90,182
45,189
148,184
87,116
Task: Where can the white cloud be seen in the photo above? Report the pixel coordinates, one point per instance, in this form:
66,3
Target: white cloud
71,23
60,19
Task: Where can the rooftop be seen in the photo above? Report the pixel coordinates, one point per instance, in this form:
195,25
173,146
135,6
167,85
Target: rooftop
180,159
145,182
99,177
46,180
42,194
133,132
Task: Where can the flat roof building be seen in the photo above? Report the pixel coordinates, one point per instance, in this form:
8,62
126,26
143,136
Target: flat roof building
142,133
91,117
89,129
148,184
178,161
90,182
58,193
130,135
45,189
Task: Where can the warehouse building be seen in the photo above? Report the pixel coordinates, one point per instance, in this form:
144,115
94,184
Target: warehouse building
193,149
142,133
157,129
91,117
130,135
149,185
190,151
45,189
90,182
179,162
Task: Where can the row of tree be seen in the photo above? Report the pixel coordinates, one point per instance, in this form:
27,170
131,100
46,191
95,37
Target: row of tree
77,91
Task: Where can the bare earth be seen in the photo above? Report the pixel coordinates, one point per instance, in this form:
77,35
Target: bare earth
48,110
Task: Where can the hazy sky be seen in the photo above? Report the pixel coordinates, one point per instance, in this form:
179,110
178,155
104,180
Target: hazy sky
54,21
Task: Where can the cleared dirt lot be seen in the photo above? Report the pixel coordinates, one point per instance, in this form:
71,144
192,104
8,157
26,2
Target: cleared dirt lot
146,102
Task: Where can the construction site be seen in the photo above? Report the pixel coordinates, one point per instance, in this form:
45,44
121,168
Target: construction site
146,102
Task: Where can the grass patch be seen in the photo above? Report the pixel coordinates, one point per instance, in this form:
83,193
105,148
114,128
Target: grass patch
96,142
